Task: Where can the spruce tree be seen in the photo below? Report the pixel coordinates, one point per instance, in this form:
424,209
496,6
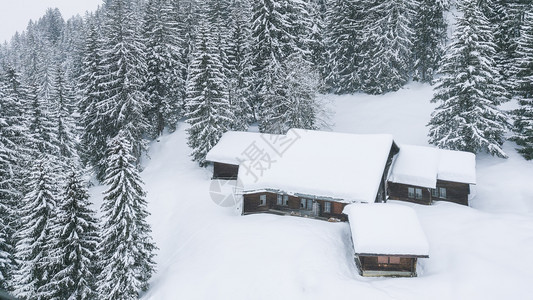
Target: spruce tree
468,94
344,43
523,125
43,129
8,191
293,103
63,99
77,237
208,109
123,59
429,27
126,250
164,82
94,121
388,36
34,238
238,67
272,42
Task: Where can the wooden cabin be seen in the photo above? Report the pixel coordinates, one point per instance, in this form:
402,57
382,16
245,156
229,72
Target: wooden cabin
388,239
314,181
424,175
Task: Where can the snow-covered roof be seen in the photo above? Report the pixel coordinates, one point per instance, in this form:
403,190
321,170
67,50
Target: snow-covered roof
386,229
234,146
345,167
422,166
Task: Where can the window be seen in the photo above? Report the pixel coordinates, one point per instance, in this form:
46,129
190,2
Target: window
388,260
418,193
434,193
283,200
414,193
306,204
327,207
442,192
394,260
410,192
383,259
262,200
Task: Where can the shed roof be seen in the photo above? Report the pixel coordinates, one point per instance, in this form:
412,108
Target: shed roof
422,166
324,164
386,229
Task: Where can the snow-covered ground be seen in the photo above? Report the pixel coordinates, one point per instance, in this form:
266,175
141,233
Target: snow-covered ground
210,252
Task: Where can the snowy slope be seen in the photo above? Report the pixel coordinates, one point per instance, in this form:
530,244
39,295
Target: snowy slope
210,252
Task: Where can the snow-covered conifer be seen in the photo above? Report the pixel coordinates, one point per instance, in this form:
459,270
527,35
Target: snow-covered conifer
429,39
468,93
208,109
523,125
238,66
76,240
164,82
126,251
34,239
123,55
293,103
388,35
93,119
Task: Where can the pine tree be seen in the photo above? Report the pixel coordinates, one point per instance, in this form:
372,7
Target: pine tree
208,109
272,41
63,99
8,192
42,127
505,17
467,117
126,250
293,101
523,125
387,64
188,18
37,214
77,238
316,40
123,100
238,66
93,119
164,82
429,29
344,44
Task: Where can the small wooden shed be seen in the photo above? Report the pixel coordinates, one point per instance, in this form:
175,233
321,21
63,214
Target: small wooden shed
387,238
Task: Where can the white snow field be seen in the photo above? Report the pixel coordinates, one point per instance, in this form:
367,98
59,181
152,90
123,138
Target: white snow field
210,252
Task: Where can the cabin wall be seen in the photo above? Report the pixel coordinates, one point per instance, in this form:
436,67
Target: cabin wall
455,192
252,205
399,191
225,171
370,265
